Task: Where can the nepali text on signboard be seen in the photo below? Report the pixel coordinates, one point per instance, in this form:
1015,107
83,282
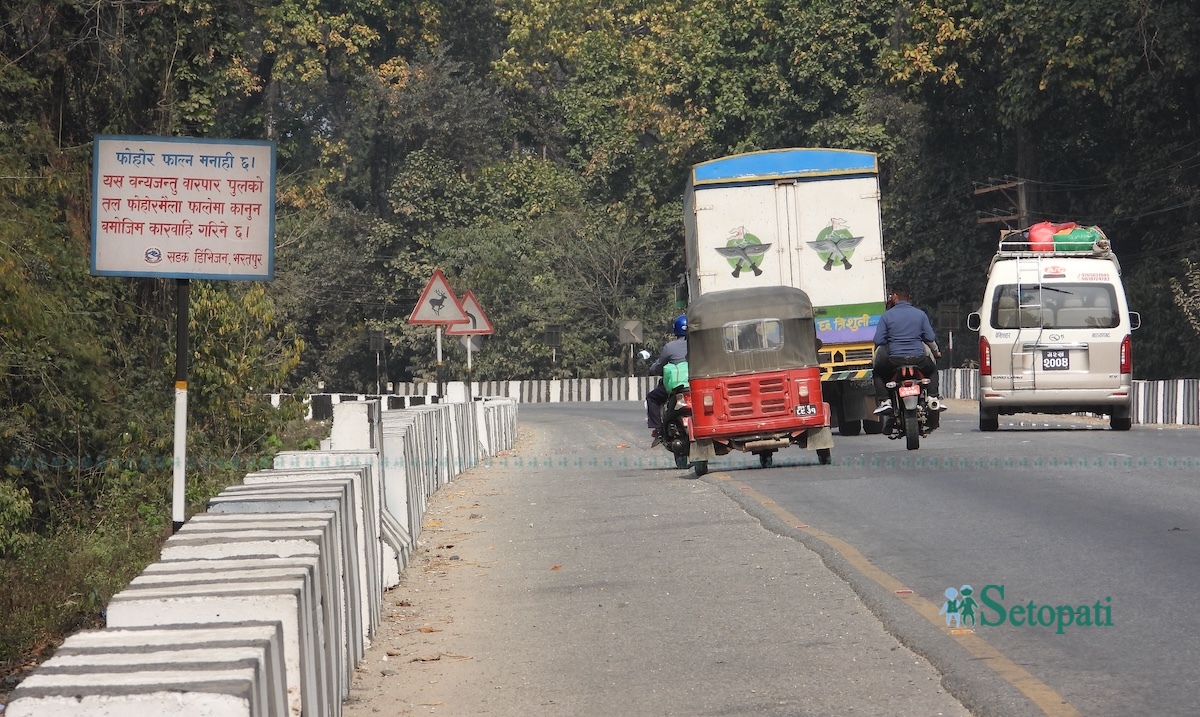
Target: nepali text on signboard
183,208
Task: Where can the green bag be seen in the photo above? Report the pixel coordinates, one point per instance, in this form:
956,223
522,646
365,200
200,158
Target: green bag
1078,239
675,375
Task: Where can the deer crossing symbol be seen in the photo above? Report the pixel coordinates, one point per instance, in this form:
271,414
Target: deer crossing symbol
438,303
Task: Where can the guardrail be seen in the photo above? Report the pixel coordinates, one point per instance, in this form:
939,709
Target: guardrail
264,605
1174,402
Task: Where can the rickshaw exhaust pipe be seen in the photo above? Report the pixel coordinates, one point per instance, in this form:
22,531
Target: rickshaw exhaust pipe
769,444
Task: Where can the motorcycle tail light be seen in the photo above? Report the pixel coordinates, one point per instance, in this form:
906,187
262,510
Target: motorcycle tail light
985,357
1127,354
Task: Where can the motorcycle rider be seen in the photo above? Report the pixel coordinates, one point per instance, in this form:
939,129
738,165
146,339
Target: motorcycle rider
674,352
900,340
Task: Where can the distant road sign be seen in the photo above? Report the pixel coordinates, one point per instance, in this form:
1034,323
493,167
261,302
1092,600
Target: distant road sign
474,341
629,332
437,304
477,322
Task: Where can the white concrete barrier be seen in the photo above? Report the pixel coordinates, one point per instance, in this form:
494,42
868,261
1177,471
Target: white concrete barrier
264,605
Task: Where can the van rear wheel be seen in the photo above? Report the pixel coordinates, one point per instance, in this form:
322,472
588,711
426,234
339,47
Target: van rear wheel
1120,421
989,419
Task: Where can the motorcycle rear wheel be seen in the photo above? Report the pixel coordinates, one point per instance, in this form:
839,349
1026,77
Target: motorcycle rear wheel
912,430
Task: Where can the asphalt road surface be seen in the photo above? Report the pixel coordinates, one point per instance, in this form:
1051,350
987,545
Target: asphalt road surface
1089,525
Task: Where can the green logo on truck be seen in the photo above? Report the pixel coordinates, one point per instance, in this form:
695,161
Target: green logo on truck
835,243
743,251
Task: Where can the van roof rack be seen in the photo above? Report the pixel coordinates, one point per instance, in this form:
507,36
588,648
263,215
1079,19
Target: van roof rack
1017,242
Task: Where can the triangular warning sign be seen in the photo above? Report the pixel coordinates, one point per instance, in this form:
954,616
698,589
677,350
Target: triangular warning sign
437,304
477,322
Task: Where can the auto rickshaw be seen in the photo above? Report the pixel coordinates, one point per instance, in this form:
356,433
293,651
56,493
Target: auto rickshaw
754,380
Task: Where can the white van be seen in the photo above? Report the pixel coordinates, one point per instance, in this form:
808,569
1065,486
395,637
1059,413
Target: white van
1054,332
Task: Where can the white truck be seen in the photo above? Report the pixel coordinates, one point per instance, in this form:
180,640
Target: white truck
805,218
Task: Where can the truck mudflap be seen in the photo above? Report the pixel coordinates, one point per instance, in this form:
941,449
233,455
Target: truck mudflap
817,438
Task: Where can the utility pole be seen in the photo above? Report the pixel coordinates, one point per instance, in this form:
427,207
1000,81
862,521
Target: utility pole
1019,203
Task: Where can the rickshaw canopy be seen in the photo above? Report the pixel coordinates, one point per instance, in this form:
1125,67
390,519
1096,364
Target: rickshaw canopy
753,330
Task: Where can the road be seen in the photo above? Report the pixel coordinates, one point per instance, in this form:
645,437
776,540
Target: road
1059,511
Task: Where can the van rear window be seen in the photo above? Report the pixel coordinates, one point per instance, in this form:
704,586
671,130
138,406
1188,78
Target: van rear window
1054,306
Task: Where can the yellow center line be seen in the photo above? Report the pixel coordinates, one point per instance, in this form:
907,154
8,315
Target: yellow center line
1038,692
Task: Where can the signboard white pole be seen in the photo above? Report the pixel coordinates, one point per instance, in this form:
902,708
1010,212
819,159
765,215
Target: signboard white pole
179,474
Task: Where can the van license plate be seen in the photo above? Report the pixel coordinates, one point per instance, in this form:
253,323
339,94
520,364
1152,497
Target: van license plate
806,409
1056,360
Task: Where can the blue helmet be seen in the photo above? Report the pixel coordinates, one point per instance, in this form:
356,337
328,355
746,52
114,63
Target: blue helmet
681,325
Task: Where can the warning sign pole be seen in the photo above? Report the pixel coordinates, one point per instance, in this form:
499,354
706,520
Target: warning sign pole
439,360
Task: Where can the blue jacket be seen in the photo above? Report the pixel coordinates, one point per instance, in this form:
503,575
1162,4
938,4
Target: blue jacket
905,330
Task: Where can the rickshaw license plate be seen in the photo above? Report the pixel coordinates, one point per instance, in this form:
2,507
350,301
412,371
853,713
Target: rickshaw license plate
806,409
1056,360
909,390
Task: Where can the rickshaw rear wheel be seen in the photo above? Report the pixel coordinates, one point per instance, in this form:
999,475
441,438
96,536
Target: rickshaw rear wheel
766,459
681,461
825,456
701,467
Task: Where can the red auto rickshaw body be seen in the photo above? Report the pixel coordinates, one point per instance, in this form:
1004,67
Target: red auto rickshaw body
755,382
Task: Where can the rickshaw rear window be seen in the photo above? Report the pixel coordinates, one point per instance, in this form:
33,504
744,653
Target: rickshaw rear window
753,335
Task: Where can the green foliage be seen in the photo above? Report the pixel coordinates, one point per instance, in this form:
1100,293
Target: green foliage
239,354
16,508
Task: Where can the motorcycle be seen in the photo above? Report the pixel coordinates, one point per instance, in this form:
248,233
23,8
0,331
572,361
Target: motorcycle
677,418
915,414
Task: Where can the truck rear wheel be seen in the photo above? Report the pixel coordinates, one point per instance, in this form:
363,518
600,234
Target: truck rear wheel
850,428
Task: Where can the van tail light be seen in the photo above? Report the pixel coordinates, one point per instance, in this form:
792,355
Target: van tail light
985,357
1127,354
